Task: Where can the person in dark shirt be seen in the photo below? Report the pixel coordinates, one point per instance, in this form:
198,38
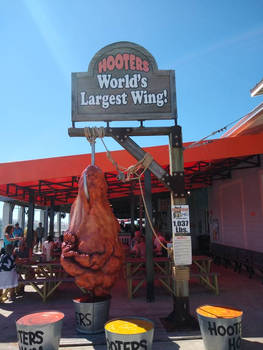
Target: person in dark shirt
18,232
22,252
40,235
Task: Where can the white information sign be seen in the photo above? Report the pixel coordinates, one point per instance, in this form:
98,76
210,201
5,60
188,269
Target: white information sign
182,249
180,219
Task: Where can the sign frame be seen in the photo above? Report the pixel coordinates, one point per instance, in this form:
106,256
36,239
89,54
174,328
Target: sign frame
159,82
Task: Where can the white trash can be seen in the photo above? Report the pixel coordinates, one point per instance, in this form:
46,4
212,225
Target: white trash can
40,330
220,327
91,314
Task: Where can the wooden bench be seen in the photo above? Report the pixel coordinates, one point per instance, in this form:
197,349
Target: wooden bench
238,258
135,282
45,287
136,273
209,280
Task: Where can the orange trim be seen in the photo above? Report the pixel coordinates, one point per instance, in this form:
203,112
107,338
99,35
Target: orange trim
226,148
61,167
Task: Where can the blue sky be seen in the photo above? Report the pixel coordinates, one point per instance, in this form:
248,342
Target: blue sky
215,48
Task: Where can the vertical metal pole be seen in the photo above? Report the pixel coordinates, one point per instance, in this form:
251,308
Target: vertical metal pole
30,222
45,223
6,214
21,219
132,209
140,209
51,219
59,223
92,144
11,210
148,236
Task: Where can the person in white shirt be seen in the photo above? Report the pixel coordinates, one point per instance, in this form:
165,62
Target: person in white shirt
48,247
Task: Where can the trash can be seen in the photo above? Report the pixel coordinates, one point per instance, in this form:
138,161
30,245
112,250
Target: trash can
129,333
40,331
220,327
91,313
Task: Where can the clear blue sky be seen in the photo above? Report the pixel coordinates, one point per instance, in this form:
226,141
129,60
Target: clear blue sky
215,48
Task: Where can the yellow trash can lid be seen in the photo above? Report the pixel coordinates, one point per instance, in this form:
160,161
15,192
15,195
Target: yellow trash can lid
129,326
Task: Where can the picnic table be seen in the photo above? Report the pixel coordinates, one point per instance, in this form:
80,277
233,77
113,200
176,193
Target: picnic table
201,269
136,273
163,270
44,277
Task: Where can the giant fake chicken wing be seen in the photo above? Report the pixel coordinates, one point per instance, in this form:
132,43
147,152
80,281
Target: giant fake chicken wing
91,250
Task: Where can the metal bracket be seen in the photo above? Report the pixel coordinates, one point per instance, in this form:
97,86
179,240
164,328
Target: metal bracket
176,135
119,133
176,183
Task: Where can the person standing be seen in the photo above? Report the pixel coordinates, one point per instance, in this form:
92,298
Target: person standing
48,248
18,232
9,238
159,243
40,235
139,248
8,274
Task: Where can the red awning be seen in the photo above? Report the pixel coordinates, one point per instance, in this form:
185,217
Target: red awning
56,178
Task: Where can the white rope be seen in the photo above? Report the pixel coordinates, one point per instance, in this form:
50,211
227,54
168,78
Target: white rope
92,133
148,216
134,172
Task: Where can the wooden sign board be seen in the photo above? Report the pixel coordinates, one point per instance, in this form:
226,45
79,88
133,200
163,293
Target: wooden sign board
123,83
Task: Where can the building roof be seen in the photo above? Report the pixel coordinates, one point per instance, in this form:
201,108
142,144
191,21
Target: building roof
257,90
252,123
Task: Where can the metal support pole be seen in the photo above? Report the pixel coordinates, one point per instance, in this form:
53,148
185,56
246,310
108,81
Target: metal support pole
140,213
148,235
132,209
138,153
92,144
45,224
59,223
30,222
11,211
51,219
21,215
7,214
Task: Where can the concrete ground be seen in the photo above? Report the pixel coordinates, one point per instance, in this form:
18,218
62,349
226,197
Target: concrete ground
236,290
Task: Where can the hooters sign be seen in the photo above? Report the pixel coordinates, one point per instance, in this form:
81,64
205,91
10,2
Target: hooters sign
123,83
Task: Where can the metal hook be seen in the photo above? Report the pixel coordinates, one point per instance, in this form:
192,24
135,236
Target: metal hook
86,191
92,144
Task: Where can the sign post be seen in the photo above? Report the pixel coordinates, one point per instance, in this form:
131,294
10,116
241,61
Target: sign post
123,83
180,318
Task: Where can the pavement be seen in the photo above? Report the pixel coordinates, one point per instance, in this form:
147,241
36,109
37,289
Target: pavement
236,290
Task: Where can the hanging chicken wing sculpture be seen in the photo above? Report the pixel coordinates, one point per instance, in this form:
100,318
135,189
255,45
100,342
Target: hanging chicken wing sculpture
91,251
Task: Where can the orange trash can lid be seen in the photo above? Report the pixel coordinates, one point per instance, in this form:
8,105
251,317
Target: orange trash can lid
213,311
